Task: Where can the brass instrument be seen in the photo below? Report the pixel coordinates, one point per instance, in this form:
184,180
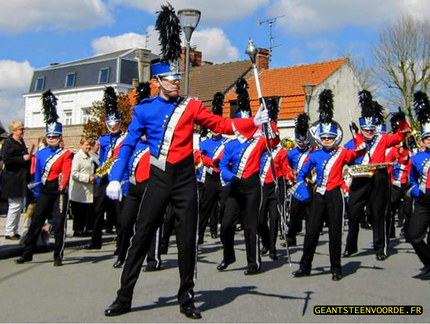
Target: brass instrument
366,171
103,171
288,144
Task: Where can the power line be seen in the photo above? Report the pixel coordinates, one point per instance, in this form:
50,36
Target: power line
270,21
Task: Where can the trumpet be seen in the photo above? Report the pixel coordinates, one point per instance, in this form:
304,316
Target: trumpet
103,171
366,171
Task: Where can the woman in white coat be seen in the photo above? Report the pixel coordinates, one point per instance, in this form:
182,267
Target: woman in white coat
81,187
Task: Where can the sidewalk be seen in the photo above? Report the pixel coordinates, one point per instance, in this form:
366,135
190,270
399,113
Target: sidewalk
12,248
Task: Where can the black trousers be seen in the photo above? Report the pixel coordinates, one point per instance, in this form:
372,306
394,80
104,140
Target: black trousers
178,185
298,212
244,197
212,204
373,193
101,204
329,206
49,199
127,220
401,204
80,214
168,226
269,217
418,225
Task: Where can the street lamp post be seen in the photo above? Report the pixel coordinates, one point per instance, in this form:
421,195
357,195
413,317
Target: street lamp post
308,89
189,20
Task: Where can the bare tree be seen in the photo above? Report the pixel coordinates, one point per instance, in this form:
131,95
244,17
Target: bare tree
402,62
363,72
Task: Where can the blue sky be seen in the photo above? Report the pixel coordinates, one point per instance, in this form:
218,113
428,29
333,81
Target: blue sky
34,34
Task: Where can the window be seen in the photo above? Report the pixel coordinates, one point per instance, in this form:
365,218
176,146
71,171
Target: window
233,108
104,75
40,84
70,80
36,119
86,115
67,117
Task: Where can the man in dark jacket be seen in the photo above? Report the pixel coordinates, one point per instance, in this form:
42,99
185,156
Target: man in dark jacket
15,177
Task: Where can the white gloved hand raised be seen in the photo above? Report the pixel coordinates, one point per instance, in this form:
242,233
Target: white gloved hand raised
113,190
262,116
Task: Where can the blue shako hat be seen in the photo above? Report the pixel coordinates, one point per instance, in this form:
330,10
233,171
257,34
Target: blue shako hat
243,106
367,120
113,116
301,128
327,127
49,109
422,111
169,29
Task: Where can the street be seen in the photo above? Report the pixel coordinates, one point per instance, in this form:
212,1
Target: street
87,283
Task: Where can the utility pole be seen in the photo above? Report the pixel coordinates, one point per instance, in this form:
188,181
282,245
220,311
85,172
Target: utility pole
270,21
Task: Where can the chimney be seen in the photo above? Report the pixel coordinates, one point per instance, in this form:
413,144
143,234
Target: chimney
195,57
263,58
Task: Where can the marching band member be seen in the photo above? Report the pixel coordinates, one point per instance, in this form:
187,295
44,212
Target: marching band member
328,198
240,167
51,179
296,159
371,193
271,205
214,195
420,191
109,148
168,122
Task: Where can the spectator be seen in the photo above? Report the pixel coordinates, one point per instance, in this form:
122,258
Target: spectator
81,187
15,177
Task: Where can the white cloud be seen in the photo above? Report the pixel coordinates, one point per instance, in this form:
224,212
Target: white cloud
15,78
212,42
28,15
305,17
214,45
219,11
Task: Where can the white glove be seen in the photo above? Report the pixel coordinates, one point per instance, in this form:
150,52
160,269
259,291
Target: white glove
262,116
113,190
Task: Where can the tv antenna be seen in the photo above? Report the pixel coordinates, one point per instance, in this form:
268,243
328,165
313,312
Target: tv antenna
147,40
270,21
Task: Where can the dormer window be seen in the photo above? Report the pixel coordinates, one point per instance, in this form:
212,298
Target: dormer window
104,75
70,80
39,84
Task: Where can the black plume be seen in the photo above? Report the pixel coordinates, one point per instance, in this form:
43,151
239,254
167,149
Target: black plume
302,124
203,132
326,106
217,103
273,109
242,96
394,121
378,113
49,107
143,91
169,28
365,100
110,101
422,107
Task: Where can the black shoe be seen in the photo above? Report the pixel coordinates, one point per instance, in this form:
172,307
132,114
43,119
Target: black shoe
17,237
23,259
13,238
301,273
151,268
58,262
92,246
224,264
349,253
381,257
214,235
239,227
423,272
336,277
190,310
117,308
118,264
291,242
264,250
273,256
251,271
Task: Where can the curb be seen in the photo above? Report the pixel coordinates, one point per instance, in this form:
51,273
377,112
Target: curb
15,250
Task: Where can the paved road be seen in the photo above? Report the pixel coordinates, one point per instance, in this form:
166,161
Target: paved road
81,289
